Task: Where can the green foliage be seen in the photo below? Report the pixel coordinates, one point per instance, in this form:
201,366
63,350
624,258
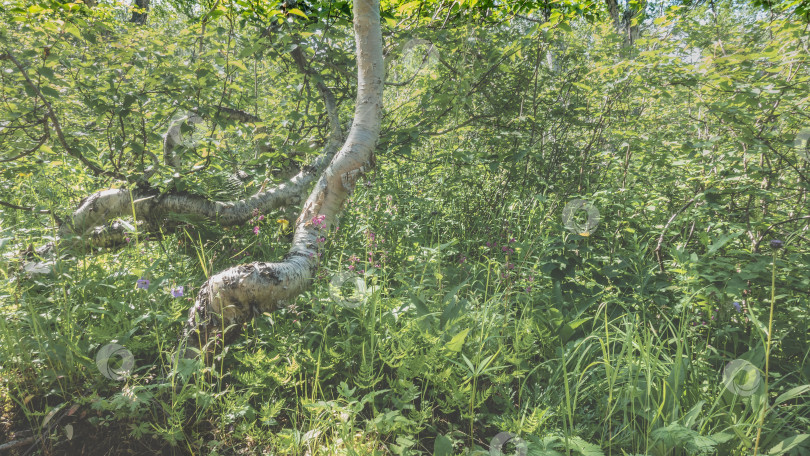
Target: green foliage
483,313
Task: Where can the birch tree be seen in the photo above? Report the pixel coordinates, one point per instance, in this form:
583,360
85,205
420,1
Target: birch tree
231,297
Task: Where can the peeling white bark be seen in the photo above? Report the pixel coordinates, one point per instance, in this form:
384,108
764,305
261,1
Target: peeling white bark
87,224
233,296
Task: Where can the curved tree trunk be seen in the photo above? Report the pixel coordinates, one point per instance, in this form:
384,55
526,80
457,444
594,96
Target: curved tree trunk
232,297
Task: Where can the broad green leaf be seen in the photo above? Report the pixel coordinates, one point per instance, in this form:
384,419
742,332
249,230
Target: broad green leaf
297,12
442,446
457,341
723,240
792,394
788,444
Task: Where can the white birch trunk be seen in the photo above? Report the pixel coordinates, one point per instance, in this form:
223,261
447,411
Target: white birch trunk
232,297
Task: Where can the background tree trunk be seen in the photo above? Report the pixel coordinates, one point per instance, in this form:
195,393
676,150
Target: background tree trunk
138,16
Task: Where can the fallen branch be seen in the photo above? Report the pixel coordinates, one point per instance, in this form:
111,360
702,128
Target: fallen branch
16,443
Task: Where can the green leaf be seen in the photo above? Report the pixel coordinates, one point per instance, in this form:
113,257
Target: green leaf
409,7
584,448
788,444
723,240
792,393
451,311
421,308
49,91
691,416
250,50
239,64
46,72
442,446
457,341
297,12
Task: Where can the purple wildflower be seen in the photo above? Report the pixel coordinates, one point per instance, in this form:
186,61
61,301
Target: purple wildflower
319,221
777,244
737,306
255,230
142,283
177,292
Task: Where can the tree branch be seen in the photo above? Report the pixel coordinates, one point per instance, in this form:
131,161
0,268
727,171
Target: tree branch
95,210
29,151
657,250
24,208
